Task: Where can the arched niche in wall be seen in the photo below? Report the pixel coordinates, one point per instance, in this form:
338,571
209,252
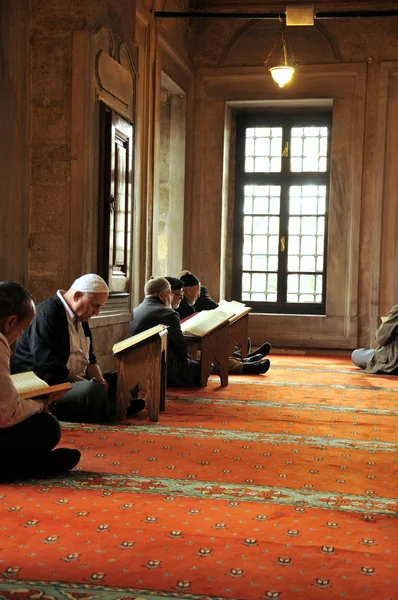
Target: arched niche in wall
253,42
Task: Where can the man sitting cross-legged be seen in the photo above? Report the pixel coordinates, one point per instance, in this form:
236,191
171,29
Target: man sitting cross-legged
157,309
196,298
28,433
58,347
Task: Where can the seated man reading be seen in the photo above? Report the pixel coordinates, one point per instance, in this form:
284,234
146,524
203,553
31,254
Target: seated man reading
28,433
196,298
58,347
383,359
157,309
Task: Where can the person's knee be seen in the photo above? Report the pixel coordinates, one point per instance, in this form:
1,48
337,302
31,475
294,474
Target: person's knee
48,430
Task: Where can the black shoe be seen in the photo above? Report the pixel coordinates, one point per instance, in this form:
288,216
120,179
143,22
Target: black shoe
61,459
135,391
264,350
256,368
254,358
136,405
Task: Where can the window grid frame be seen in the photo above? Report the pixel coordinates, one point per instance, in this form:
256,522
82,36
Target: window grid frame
285,179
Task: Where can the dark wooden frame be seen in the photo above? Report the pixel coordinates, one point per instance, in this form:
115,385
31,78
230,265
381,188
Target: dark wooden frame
286,120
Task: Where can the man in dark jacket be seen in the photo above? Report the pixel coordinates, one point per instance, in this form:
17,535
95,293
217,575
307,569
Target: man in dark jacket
58,347
155,310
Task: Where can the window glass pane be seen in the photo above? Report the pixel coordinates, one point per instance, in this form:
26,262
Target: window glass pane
260,224
247,262
247,224
294,244
272,263
308,244
272,282
263,149
247,244
292,284
307,263
258,282
245,281
261,205
260,244
294,225
293,263
295,165
259,263
248,205
273,244
308,149
249,165
249,149
307,284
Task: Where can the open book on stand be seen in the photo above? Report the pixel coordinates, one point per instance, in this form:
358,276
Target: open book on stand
29,385
235,309
139,337
200,324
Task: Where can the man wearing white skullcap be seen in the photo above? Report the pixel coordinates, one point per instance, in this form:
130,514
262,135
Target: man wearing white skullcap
58,347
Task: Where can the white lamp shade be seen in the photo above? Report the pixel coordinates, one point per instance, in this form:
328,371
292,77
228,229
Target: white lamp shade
282,75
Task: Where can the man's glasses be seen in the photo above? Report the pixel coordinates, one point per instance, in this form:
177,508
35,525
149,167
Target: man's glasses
178,294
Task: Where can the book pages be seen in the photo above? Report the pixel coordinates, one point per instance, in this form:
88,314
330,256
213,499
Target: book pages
28,382
202,323
236,309
29,385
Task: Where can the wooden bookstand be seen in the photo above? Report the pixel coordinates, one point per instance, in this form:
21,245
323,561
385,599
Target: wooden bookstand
238,331
214,349
144,364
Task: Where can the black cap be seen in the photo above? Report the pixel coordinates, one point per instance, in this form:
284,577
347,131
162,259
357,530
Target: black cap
175,284
189,279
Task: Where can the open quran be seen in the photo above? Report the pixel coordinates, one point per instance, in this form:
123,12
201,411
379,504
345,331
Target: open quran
235,309
29,385
200,324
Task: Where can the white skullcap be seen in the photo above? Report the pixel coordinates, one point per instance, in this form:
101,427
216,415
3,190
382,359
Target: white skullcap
90,283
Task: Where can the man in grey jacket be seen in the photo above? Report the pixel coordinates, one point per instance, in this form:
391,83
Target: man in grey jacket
383,359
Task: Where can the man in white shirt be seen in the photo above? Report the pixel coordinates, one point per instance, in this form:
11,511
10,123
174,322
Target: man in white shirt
58,347
28,433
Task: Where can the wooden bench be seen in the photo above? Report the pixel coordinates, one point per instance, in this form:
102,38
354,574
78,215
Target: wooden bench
143,364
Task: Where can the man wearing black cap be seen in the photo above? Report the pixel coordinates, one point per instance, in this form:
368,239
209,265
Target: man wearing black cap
177,291
191,294
196,298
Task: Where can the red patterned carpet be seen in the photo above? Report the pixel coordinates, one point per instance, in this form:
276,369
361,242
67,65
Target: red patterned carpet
280,486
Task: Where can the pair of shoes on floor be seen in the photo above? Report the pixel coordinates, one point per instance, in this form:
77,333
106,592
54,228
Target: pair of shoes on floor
264,350
256,368
136,403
